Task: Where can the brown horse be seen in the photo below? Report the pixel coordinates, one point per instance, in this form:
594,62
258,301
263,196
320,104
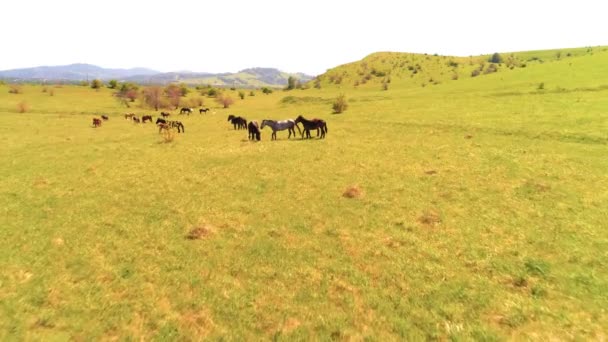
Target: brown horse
237,121
164,114
129,116
146,118
105,117
312,124
254,131
96,122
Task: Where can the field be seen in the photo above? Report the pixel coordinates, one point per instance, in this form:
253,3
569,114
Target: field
468,208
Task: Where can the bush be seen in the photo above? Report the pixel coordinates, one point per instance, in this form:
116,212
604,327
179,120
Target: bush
496,58
15,89
475,73
252,93
541,86
212,92
225,100
113,84
22,107
242,95
340,104
96,84
266,90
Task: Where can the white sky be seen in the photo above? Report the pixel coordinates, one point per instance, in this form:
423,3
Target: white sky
296,36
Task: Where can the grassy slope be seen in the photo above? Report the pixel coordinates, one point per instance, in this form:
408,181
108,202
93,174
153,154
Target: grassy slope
483,213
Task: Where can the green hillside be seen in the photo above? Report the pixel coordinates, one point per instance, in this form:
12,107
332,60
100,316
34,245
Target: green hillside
465,209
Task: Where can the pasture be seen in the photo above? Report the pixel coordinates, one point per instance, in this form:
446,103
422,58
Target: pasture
475,208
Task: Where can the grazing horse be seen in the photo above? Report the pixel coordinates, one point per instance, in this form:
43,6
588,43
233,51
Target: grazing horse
164,114
186,111
129,116
281,126
105,117
136,119
96,122
312,124
164,124
203,110
254,131
237,121
146,118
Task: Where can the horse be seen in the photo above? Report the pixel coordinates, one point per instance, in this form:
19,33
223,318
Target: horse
312,124
105,118
254,131
203,110
136,119
129,116
186,111
146,118
237,121
164,114
164,124
282,125
96,122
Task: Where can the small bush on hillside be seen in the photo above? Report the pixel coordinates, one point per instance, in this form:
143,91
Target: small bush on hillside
475,73
496,58
113,84
266,90
96,84
340,104
541,86
212,92
242,95
252,93
491,68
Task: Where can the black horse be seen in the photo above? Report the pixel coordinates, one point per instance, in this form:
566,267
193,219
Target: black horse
186,111
254,131
162,123
203,110
312,124
105,118
238,122
165,114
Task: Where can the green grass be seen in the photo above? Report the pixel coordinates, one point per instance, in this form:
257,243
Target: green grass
482,214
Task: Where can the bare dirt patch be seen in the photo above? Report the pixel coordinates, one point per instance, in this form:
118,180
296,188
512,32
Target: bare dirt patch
199,233
430,218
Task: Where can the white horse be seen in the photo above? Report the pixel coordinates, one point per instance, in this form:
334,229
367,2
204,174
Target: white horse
280,126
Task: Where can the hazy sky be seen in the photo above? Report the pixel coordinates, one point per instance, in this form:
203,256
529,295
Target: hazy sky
295,36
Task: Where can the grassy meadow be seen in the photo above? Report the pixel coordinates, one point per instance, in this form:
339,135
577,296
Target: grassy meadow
478,209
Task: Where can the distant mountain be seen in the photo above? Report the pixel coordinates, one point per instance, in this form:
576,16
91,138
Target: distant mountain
72,72
252,77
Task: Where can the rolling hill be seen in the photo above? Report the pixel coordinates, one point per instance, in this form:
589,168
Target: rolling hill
247,78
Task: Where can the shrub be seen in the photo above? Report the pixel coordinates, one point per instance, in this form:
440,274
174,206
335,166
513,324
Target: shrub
475,73
340,104
212,92
252,93
384,86
113,84
491,68
541,86
496,58
96,84
22,107
225,100
242,95
266,90
15,89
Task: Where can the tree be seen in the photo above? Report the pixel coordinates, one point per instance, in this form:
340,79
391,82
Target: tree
153,96
113,84
292,83
127,93
266,90
96,84
242,95
496,58
174,94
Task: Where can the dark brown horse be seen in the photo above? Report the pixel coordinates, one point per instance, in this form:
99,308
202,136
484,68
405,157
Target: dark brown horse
237,121
96,122
146,118
254,131
203,110
312,124
129,116
105,117
164,114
